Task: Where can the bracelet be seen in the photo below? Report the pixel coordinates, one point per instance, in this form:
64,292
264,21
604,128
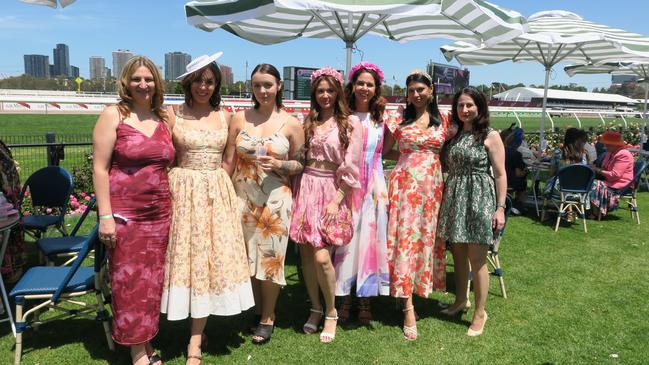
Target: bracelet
501,206
106,216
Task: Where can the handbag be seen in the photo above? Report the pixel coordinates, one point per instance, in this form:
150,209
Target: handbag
338,231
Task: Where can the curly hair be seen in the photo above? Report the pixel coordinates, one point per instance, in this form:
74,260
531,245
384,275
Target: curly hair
341,112
410,114
186,83
377,103
126,99
480,125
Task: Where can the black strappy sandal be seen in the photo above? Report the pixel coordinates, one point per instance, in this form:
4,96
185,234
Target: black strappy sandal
154,358
264,331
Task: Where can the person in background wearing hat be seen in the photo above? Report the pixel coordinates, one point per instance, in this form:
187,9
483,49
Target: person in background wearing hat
616,171
267,148
206,270
132,150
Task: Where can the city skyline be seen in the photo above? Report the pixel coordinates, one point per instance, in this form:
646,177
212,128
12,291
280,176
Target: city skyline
97,28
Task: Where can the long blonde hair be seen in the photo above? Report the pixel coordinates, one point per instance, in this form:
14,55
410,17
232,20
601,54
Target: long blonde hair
126,99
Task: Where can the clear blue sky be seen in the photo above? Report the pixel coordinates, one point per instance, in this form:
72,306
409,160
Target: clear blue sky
154,27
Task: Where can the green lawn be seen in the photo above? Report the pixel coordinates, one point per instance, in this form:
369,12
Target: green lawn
574,298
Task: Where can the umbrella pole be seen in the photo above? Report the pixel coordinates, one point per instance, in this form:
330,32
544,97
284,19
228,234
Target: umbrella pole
544,109
348,64
643,136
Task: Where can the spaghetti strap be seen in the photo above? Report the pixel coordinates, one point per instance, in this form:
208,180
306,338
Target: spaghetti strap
281,126
222,115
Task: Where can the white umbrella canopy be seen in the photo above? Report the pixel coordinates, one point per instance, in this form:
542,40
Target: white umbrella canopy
555,36
639,68
275,21
50,3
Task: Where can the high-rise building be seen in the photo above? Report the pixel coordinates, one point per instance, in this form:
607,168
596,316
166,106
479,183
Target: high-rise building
74,72
120,57
37,65
175,64
227,78
97,68
61,60
107,73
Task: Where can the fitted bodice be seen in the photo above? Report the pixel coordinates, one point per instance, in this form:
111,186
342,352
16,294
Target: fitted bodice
277,145
468,157
199,149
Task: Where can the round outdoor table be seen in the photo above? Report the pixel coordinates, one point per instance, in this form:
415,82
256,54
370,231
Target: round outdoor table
5,231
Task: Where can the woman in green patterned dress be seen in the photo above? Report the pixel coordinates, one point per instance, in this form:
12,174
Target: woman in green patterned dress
473,207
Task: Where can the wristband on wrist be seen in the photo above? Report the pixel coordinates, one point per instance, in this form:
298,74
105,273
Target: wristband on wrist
106,216
501,206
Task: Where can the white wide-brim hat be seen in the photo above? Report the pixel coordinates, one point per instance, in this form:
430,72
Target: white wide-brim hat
199,63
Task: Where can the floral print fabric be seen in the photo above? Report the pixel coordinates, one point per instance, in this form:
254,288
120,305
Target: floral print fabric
469,195
416,260
265,202
363,262
206,266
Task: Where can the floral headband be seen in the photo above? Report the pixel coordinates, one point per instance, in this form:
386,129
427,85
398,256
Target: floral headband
327,71
366,66
422,73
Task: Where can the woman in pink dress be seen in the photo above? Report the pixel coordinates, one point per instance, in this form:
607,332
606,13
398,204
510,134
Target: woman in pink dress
415,259
333,143
132,151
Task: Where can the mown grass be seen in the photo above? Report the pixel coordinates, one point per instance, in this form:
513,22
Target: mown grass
574,298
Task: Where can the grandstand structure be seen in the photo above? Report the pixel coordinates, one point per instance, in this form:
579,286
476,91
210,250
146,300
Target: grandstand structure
563,100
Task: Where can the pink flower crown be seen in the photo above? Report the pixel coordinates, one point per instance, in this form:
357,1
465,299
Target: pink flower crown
328,71
366,66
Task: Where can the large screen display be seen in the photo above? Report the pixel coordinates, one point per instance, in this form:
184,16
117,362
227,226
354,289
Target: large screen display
449,79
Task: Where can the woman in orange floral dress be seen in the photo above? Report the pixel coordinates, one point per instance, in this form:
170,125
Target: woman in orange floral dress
269,149
415,259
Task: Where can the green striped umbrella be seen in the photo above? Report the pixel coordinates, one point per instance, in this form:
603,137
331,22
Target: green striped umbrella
555,36
50,3
270,22
636,67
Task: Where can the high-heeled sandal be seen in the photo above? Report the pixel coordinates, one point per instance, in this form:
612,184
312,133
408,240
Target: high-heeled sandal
459,310
364,311
198,357
263,332
474,333
311,327
255,321
345,309
151,354
328,337
410,332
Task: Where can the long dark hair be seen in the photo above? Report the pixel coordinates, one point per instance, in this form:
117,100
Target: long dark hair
573,145
410,114
377,103
186,83
341,112
267,68
480,125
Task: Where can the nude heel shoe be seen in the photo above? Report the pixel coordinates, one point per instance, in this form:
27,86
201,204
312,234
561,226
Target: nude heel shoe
410,332
327,337
475,333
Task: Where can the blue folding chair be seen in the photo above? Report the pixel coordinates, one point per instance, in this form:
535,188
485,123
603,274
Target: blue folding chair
49,187
53,248
575,182
54,284
629,191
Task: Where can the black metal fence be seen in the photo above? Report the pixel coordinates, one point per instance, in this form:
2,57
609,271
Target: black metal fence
33,152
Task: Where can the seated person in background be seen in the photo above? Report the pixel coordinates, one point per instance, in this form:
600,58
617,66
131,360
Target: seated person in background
530,157
591,152
516,170
570,152
616,171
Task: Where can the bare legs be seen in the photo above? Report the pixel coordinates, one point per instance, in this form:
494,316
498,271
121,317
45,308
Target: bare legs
140,354
266,294
319,274
195,341
476,255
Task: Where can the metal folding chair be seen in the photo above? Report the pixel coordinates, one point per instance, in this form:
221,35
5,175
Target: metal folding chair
493,259
54,284
49,187
575,181
628,192
53,248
